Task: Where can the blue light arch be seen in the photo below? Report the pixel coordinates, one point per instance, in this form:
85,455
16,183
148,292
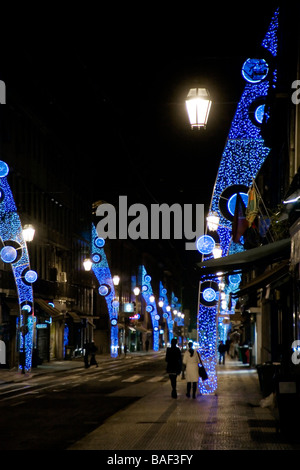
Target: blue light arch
15,253
106,288
245,152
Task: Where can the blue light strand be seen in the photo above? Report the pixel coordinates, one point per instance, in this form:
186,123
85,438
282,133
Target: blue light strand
241,161
167,313
151,308
102,272
11,231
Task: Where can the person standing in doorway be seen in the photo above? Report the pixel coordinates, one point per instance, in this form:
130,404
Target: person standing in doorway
191,360
174,365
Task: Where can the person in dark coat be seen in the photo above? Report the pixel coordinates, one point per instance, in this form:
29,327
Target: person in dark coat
93,350
222,351
174,365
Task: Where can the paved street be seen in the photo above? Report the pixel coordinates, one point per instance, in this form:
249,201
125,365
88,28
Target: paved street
150,420
231,419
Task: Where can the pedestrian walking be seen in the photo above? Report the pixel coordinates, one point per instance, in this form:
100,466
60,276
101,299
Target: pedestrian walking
174,365
222,351
93,350
191,361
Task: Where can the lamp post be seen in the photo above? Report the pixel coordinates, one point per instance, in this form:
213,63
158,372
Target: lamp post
198,104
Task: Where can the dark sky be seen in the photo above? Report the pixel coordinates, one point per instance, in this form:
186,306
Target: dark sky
113,80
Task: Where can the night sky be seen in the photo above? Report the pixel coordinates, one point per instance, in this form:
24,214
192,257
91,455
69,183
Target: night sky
112,82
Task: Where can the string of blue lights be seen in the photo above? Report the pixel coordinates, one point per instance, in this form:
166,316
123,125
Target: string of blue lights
243,156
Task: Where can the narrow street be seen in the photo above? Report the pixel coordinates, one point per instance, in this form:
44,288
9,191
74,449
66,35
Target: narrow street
54,410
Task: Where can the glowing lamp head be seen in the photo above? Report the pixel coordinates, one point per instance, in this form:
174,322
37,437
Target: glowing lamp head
28,232
87,264
213,221
198,106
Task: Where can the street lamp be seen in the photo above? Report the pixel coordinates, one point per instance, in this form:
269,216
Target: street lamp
136,291
198,104
87,264
213,221
116,280
217,251
28,232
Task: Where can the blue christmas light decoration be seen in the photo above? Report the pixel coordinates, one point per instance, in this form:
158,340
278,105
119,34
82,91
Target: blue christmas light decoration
167,313
102,272
151,308
245,152
15,253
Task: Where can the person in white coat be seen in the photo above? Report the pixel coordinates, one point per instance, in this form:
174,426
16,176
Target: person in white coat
191,360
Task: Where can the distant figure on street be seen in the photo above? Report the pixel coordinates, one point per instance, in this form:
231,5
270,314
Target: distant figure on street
191,361
125,349
93,350
174,365
222,351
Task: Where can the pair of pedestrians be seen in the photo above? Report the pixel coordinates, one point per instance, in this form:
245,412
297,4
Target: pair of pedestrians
174,367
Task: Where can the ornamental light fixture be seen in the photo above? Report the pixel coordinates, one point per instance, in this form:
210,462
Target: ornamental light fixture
198,104
213,221
217,251
136,291
116,280
28,232
87,264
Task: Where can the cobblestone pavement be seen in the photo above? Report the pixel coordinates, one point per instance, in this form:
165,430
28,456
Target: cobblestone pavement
230,419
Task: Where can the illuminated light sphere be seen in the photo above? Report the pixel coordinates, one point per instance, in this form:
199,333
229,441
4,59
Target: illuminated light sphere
259,113
114,322
156,328
157,317
255,70
149,308
51,304
148,278
209,294
205,244
151,298
161,303
4,170
103,290
96,258
99,242
234,278
31,276
26,308
165,315
232,202
8,254
144,288
198,104
115,303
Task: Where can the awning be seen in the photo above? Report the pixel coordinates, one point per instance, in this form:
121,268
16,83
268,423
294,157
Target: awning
279,272
51,311
248,259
